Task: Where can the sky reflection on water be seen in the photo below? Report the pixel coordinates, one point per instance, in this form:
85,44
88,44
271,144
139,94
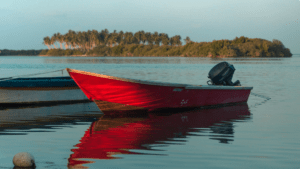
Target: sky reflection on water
59,135
108,136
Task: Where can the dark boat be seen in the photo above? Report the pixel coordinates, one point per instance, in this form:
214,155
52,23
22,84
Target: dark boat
40,90
120,94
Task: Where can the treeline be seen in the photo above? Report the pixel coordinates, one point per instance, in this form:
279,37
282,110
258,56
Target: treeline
104,43
7,52
119,44
85,41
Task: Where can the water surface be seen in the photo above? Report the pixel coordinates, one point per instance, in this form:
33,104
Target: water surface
261,134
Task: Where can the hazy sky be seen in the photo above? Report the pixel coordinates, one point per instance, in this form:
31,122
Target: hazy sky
24,23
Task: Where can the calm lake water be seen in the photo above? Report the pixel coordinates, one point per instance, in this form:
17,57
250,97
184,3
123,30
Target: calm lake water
264,133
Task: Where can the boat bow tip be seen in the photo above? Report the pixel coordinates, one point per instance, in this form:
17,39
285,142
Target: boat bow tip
68,69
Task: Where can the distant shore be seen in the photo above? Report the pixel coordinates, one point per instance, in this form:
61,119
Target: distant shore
238,47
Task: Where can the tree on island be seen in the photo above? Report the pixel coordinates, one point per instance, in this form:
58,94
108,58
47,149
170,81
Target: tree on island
47,42
187,40
85,41
104,43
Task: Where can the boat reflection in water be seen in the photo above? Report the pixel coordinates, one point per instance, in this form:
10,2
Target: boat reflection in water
20,121
112,135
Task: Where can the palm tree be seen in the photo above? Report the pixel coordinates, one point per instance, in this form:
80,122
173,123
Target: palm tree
128,38
85,40
148,36
177,39
53,40
80,40
91,39
94,38
143,37
104,36
66,39
47,42
187,40
156,38
60,39
72,39
139,36
114,37
120,38
164,38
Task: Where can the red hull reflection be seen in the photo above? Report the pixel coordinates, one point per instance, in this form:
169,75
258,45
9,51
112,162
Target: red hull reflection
117,135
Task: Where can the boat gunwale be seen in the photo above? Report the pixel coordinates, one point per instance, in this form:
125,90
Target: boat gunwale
66,78
38,83
147,82
41,88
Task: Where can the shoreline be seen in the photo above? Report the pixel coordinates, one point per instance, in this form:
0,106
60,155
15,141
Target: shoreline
166,56
151,56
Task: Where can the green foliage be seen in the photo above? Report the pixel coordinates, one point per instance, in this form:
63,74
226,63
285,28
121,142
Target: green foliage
43,52
117,50
86,41
6,52
61,52
132,48
138,45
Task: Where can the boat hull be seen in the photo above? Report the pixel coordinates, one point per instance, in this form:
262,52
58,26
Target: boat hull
119,94
25,91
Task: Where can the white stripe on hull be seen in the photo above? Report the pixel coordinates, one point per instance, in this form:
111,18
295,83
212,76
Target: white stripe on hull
21,96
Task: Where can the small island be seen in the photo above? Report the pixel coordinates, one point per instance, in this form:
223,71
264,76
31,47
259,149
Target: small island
104,43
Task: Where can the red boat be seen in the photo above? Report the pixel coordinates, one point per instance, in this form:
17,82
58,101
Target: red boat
113,135
120,94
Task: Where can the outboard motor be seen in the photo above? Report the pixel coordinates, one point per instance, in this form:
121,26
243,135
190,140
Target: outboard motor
221,74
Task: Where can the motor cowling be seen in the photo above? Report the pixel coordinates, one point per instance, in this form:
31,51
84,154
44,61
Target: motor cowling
221,74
